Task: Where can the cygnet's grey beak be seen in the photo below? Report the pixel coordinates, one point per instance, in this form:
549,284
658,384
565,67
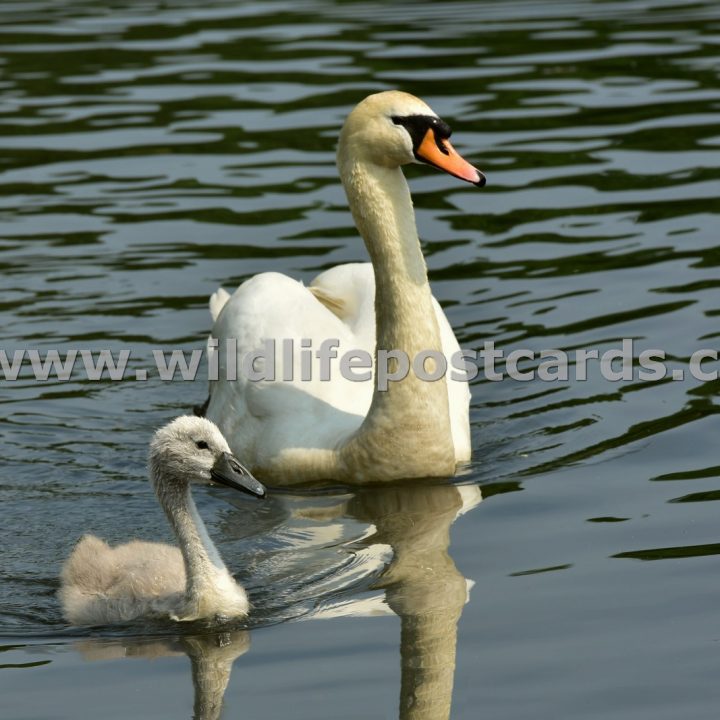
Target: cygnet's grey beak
227,470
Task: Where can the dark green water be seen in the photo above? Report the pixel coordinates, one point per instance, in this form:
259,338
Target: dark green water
152,151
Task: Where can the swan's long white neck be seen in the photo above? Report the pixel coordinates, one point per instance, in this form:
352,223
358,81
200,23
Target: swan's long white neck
412,413
380,201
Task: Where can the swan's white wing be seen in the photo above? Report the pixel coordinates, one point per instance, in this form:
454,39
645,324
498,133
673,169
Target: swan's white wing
263,418
349,292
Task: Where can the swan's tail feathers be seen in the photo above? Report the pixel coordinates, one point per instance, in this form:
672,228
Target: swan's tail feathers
217,302
87,573
201,410
88,568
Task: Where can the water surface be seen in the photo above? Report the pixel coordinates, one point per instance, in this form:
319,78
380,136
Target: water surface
153,151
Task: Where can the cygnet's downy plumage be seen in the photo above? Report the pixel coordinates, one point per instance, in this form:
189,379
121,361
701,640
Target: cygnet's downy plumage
102,584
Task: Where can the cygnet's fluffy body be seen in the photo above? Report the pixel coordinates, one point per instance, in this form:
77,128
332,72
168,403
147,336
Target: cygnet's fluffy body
103,585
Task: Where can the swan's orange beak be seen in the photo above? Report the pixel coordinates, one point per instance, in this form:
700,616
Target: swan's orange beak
440,153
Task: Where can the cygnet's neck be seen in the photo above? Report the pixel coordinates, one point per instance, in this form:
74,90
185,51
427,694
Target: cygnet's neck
412,412
203,564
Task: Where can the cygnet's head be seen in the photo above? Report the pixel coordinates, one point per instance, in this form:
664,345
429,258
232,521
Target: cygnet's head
394,128
192,449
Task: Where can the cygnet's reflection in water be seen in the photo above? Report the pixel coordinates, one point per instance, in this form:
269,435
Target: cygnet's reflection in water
211,657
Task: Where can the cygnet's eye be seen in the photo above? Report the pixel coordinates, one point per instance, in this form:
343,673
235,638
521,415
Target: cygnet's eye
201,445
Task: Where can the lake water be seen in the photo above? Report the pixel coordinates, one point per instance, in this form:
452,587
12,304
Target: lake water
151,151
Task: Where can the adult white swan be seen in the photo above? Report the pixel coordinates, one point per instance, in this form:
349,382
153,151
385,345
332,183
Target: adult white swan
300,430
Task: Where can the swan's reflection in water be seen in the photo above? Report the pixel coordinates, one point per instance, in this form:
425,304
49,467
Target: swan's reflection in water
422,586
211,657
402,553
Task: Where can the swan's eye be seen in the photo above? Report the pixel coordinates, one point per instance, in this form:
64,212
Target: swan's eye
201,445
418,127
